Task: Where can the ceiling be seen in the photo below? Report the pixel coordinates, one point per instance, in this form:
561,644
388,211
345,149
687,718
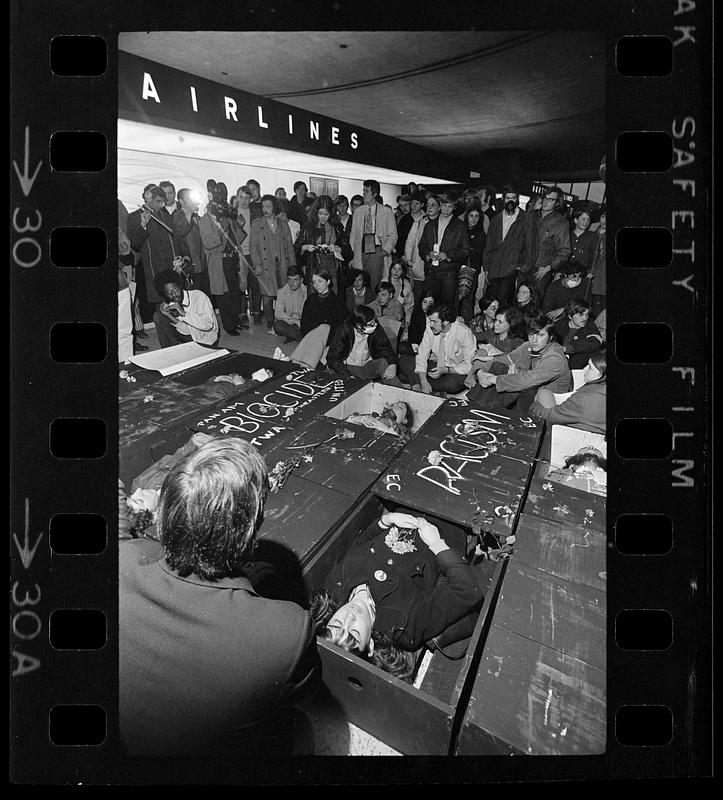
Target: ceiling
527,102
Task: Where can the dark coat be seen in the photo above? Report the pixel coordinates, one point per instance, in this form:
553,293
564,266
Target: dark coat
557,295
455,243
477,238
516,251
297,211
191,244
156,245
417,595
343,340
330,311
580,342
552,241
404,224
583,248
202,664
310,233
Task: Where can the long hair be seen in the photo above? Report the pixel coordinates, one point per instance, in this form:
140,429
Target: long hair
325,202
535,299
600,362
537,323
386,656
211,506
516,321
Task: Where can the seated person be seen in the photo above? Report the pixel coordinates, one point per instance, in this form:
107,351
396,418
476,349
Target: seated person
508,333
385,305
578,334
601,322
403,290
321,315
289,305
527,298
408,348
204,661
395,418
445,354
360,292
360,347
559,292
540,361
185,315
585,408
483,323
400,586
586,470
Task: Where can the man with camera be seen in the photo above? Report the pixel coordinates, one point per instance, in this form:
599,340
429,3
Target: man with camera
184,315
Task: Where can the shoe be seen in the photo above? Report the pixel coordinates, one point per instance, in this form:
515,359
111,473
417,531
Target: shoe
453,651
233,333
141,335
271,332
243,324
139,348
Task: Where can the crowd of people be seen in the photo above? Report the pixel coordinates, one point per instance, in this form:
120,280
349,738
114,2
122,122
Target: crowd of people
445,293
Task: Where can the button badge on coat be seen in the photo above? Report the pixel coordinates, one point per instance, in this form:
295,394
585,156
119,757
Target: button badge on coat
380,575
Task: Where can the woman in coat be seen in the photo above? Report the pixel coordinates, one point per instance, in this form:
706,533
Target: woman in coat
402,585
323,245
272,253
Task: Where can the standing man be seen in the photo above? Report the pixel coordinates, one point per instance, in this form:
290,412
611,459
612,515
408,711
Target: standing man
553,240
185,220
509,248
241,226
153,234
373,234
299,204
411,244
444,246
404,223
171,202
205,662
255,204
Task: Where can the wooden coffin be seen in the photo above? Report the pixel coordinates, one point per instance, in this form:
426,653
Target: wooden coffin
420,718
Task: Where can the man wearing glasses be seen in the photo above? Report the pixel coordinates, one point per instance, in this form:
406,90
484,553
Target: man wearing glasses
553,240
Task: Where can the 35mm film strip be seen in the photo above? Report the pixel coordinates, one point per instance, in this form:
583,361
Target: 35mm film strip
64,419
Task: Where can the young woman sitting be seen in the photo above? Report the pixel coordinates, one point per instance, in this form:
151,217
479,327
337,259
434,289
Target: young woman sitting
585,408
508,333
402,585
483,323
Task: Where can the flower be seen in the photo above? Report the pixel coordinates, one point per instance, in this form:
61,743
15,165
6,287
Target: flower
143,500
547,487
589,512
345,433
289,412
123,374
333,450
400,540
308,458
149,398
510,539
563,509
435,458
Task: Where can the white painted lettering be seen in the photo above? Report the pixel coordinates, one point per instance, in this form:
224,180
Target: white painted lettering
291,124
262,124
334,135
354,141
194,102
313,130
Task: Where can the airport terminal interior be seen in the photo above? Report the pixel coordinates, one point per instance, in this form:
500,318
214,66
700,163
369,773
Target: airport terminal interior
362,393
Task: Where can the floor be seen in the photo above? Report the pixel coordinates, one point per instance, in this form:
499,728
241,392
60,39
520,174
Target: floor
331,734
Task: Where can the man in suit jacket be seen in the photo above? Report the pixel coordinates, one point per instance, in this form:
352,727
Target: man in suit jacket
204,661
373,234
510,247
445,247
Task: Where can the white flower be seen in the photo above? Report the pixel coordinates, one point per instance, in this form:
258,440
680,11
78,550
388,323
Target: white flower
547,487
435,458
143,500
123,374
149,398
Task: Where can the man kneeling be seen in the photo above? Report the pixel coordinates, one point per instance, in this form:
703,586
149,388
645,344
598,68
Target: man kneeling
186,315
204,661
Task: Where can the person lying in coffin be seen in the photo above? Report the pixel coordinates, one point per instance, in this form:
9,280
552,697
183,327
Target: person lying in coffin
396,418
401,586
